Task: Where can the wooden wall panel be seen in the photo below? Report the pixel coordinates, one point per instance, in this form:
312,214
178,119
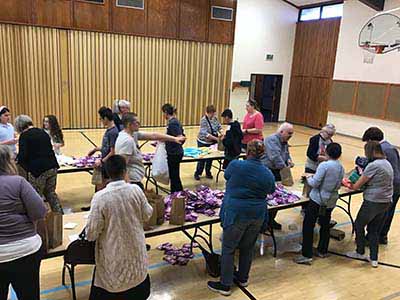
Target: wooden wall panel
73,73
393,107
222,31
30,69
313,58
162,18
19,11
342,94
194,16
92,16
299,93
317,111
370,100
129,20
55,13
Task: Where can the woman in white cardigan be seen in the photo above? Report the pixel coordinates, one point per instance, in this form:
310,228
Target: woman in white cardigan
116,224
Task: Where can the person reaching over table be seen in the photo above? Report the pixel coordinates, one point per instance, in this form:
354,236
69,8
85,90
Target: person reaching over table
116,224
174,150
323,197
107,148
20,209
244,215
232,138
277,157
253,124
37,158
7,132
377,179
392,155
210,128
52,128
120,108
127,146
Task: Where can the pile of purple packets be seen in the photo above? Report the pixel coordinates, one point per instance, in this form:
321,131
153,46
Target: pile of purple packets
175,255
148,156
86,161
201,201
281,196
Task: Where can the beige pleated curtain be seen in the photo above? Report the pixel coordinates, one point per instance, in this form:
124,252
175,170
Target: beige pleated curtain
72,73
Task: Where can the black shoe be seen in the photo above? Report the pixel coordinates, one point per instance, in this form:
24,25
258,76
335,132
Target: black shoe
275,225
332,224
383,240
148,247
238,282
218,287
86,208
209,176
196,177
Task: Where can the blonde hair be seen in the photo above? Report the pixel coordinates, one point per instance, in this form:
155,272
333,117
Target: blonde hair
255,149
7,164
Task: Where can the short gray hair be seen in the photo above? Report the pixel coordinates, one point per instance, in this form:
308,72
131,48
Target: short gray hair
120,103
22,122
329,128
285,126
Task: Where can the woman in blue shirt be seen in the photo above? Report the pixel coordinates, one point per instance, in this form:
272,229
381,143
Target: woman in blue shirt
243,215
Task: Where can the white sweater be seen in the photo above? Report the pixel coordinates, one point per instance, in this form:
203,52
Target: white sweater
116,224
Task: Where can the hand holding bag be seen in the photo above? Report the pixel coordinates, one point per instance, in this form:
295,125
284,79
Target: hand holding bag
286,175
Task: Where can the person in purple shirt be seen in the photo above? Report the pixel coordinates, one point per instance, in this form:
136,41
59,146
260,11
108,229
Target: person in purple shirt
20,255
392,155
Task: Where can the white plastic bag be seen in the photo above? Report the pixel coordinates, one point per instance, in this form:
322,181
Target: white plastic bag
159,169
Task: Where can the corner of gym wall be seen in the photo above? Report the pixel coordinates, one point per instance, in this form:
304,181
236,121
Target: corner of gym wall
72,73
263,27
350,68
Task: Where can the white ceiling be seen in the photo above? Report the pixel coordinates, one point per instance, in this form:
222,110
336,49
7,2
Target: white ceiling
306,2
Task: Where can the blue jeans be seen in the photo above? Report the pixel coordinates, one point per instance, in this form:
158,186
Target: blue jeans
243,236
204,162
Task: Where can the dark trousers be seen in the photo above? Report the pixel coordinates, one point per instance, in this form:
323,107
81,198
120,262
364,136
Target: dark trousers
310,218
243,236
310,171
226,163
140,292
389,216
371,214
174,162
23,275
204,162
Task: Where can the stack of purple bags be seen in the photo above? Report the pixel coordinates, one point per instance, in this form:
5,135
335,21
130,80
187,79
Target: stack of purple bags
86,161
281,196
201,201
175,255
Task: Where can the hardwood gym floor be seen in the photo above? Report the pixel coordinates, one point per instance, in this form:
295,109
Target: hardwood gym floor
332,278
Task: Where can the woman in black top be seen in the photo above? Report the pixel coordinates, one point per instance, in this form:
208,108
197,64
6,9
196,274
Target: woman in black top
174,150
37,158
120,108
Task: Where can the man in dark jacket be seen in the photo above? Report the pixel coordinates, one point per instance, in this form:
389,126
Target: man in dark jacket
232,138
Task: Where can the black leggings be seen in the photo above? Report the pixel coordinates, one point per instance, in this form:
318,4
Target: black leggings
174,163
23,275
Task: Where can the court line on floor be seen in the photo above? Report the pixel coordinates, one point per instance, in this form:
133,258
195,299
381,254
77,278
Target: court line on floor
87,138
392,296
380,263
157,265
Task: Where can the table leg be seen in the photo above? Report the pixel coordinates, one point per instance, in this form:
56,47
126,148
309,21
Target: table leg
347,210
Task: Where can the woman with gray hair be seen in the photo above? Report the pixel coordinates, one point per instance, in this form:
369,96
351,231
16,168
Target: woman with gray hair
120,108
37,158
20,255
316,151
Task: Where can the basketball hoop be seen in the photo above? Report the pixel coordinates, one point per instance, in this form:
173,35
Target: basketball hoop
369,54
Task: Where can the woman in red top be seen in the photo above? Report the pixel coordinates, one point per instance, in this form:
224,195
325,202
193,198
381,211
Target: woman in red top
253,124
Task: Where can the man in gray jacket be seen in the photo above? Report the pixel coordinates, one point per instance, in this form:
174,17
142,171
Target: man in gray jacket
277,157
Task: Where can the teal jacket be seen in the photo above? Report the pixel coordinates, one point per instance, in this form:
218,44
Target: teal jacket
248,184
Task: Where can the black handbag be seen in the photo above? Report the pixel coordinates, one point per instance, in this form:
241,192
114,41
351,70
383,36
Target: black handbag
81,251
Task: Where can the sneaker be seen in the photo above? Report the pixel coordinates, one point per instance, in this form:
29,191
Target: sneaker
196,177
148,247
238,282
374,263
275,225
354,254
321,255
218,287
383,240
302,260
209,176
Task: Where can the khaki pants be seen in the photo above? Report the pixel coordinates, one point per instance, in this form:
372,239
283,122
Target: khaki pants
45,185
